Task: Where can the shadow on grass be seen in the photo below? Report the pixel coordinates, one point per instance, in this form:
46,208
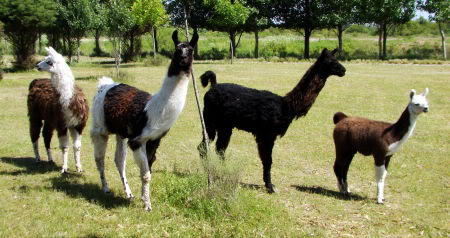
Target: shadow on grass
328,193
253,186
92,193
28,165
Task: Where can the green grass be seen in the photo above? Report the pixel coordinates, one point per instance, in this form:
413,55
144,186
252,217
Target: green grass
37,201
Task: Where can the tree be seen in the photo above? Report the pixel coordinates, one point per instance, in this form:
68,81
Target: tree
228,16
74,20
195,11
98,24
306,15
150,12
119,21
23,20
386,14
340,14
258,19
440,12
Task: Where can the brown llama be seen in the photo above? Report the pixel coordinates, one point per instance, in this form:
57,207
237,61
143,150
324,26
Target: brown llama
377,138
262,113
61,105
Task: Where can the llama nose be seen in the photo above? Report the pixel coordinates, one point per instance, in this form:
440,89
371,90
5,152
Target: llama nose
425,109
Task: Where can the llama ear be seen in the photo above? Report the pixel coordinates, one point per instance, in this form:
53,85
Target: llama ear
412,93
334,51
175,38
324,51
425,93
194,40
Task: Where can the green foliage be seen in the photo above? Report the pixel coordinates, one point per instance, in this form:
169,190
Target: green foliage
439,9
23,20
149,12
227,15
159,60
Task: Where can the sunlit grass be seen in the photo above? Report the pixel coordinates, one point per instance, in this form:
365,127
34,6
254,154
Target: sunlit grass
37,201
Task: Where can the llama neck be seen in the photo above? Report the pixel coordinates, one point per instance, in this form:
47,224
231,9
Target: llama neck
174,88
404,127
64,82
303,96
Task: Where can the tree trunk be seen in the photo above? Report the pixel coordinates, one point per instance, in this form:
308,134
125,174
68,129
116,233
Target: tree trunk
97,49
307,36
444,48
384,41
256,44
154,42
380,39
340,33
196,55
40,42
155,35
232,45
78,49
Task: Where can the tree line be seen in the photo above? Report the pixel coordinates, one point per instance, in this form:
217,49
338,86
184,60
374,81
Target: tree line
66,22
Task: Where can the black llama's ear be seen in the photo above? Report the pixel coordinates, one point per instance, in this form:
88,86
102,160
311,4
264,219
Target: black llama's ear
194,40
175,38
334,51
324,52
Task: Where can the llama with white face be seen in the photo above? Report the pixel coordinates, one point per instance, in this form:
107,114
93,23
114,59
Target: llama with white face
61,105
376,138
139,117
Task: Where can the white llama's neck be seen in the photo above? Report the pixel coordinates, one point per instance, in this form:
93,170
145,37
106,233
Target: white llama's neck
64,83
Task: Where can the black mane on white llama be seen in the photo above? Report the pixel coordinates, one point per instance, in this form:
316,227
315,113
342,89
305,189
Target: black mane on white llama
377,138
61,105
262,113
139,117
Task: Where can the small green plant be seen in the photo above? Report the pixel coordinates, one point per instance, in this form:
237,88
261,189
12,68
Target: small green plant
124,77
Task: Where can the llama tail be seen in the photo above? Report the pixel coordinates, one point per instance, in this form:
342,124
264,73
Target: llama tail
104,81
208,76
338,116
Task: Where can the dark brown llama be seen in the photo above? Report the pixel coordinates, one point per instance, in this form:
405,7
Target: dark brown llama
61,105
262,113
377,138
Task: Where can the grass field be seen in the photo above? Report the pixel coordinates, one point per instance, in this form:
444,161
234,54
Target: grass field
37,201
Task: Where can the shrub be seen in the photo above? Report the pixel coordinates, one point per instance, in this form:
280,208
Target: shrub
156,61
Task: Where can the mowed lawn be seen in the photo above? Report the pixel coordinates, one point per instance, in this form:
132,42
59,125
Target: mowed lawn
37,201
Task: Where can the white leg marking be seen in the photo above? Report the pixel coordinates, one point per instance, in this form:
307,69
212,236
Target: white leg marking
380,173
49,155
64,145
36,151
100,142
140,158
120,160
76,137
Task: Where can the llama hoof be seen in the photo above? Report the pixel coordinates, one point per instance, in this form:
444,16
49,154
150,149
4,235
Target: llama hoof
271,188
64,171
148,208
79,170
37,161
381,202
106,190
130,197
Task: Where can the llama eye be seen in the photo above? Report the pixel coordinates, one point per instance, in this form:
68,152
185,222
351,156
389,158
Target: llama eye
417,104
50,63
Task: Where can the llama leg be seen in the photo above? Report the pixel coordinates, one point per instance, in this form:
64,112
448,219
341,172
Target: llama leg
120,160
76,138
35,129
223,139
140,158
100,142
151,147
47,133
265,147
64,145
380,173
